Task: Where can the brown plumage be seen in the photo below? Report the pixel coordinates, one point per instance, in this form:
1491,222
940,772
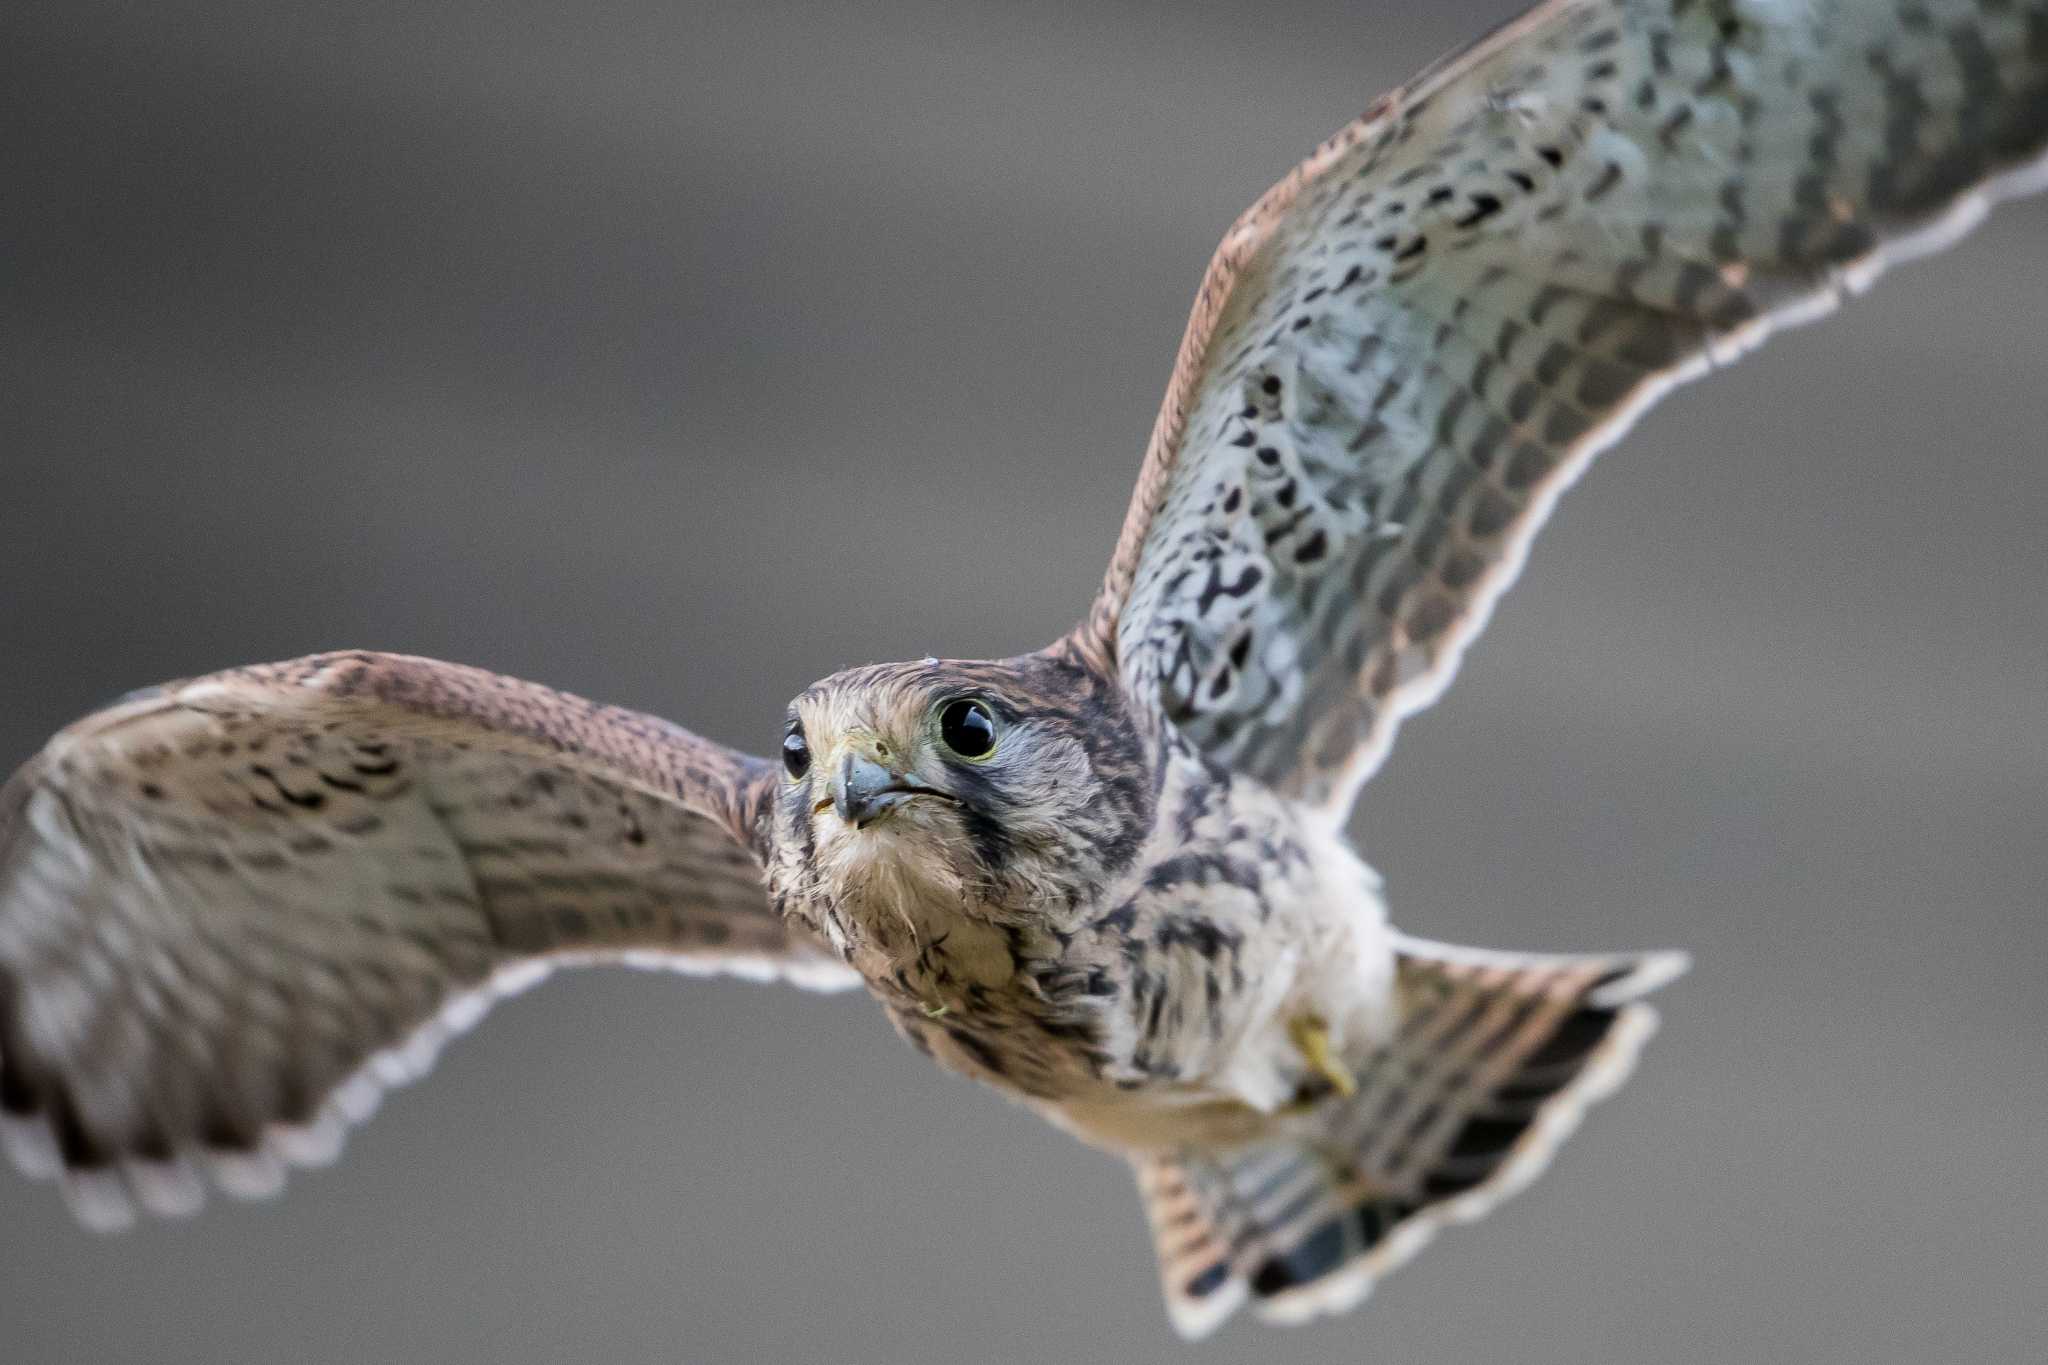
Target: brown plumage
1108,878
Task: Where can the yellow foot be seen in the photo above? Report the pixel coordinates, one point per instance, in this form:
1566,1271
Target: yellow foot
1312,1036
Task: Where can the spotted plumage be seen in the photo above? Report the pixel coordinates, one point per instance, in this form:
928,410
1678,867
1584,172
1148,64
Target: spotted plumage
1108,878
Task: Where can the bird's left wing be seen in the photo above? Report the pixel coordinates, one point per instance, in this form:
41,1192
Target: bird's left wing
233,910
1407,349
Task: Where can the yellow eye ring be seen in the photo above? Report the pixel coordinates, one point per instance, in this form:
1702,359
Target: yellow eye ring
968,728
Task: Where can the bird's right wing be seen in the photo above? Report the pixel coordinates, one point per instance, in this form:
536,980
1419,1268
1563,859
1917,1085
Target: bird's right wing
233,910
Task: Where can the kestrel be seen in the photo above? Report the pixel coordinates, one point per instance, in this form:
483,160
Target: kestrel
1109,878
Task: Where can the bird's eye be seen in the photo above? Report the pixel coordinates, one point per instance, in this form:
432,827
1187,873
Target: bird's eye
796,755
968,729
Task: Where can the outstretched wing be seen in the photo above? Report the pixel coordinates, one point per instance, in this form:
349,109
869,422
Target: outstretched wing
233,910
1406,350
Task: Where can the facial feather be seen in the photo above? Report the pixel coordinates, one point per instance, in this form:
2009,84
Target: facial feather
1029,830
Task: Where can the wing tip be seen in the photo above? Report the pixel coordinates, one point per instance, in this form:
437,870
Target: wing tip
110,1194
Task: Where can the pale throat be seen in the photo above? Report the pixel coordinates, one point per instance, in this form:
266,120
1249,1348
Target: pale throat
912,914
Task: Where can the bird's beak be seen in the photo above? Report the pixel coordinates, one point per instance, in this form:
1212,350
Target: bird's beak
863,791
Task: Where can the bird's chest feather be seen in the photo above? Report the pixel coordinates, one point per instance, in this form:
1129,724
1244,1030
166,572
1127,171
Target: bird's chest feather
1246,918
1160,1002
961,977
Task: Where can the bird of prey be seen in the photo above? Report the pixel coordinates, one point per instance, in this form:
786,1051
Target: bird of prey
1108,878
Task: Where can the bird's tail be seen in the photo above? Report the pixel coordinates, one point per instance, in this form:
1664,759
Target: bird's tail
1496,1057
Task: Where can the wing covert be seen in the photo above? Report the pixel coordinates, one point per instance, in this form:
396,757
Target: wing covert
1407,349
234,910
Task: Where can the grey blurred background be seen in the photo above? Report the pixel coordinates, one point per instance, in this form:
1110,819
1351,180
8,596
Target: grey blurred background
680,355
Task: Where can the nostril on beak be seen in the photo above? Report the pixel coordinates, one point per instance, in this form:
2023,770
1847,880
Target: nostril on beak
862,789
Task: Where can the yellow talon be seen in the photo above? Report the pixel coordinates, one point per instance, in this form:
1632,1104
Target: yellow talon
1312,1036
938,1011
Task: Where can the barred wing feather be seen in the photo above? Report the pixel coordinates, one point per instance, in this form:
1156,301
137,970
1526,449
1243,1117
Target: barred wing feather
1408,348
234,910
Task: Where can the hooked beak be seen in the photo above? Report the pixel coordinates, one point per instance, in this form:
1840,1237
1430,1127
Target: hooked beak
863,791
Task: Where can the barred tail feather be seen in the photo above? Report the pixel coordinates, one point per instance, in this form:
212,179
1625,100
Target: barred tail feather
1497,1058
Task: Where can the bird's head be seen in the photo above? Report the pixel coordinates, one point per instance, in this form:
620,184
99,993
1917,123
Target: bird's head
995,790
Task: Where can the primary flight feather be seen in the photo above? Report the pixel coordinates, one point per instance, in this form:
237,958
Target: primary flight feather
1108,878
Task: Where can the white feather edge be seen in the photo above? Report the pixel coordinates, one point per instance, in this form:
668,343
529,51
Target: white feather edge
1197,1318
1649,970
1610,1065
108,1200
1942,230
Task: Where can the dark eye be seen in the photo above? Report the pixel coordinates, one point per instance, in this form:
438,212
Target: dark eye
968,729
796,755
